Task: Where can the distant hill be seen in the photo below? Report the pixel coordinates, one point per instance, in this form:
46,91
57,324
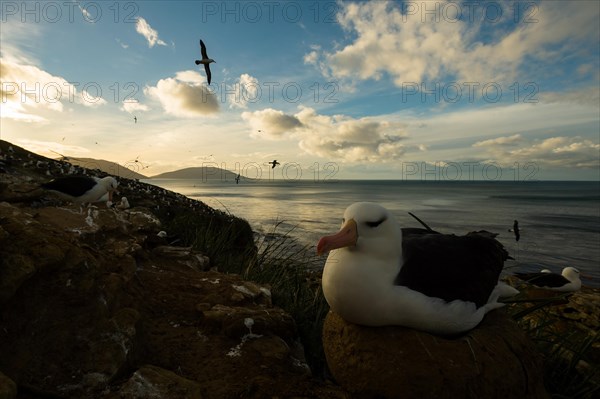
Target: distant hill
199,173
129,170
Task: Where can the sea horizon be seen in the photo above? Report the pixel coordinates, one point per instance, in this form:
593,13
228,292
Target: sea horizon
559,220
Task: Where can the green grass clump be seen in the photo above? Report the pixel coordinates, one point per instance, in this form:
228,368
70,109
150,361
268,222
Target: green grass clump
294,273
225,239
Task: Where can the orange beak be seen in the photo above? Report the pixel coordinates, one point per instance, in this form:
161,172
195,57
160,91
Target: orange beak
346,237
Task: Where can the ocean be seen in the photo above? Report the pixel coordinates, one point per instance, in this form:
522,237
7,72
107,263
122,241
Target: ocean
559,220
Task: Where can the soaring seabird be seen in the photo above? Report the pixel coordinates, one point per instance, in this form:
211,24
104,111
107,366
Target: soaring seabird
568,281
274,163
515,230
205,60
82,189
378,274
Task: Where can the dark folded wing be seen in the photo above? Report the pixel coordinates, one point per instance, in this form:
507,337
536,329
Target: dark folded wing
452,267
74,186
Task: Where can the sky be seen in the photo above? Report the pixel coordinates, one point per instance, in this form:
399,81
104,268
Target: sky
425,90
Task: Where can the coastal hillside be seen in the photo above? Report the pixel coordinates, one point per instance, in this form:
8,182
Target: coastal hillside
129,170
199,173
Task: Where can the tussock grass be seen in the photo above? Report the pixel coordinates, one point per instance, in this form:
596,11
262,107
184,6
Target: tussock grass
569,371
294,273
225,239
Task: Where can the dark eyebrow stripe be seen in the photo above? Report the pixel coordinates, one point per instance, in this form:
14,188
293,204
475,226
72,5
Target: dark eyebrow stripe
377,223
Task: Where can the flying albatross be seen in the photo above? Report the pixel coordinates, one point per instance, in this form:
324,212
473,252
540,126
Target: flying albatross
205,61
378,274
567,281
82,189
274,163
515,230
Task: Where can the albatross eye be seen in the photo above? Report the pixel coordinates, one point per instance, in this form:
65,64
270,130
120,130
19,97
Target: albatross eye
375,224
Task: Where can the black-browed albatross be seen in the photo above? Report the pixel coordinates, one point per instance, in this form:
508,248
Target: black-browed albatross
82,189
378,274
205,61
567,281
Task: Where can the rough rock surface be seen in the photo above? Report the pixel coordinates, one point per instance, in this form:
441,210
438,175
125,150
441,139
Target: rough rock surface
93,305
495,360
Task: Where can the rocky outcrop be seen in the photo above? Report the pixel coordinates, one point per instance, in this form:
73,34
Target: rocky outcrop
93,303
494,360
85,306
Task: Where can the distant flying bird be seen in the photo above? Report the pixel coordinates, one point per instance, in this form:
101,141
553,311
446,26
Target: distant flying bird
516,230
205,60
274,163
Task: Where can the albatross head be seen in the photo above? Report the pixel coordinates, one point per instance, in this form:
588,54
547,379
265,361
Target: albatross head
110,185
571,274
366,227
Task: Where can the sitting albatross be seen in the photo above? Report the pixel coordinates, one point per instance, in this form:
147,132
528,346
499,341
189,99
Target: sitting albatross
82,189
567,281
378,274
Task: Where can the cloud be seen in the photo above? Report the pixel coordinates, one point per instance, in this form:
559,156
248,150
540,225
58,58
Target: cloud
411,45
52,149
560,151
500,141
184,96
26,90
336,137
270,124
348,139
134,106
143,28
585,96
246,90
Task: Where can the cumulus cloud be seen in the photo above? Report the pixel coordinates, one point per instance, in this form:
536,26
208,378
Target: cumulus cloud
270,123
132,106
184,95
348,139
245,90
560,151
336,137
27,90
143,28
415,47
